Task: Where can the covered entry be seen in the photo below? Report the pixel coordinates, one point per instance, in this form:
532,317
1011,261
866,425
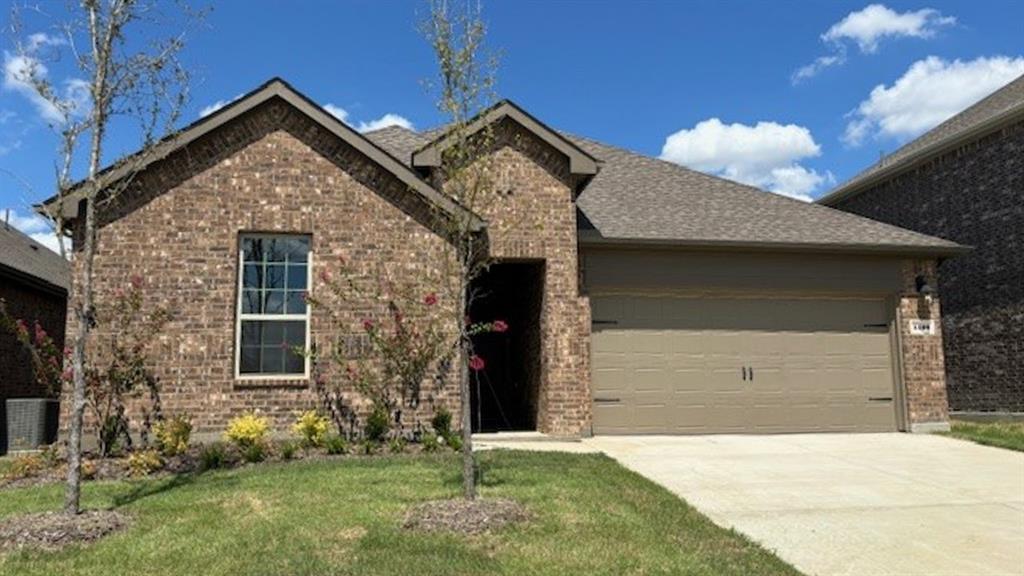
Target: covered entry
682,365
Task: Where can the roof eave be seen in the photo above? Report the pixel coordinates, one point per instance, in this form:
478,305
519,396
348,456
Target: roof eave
580,162
595,239
856,186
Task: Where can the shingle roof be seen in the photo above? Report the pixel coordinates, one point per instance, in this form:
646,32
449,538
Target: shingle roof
23,254
636,198
1005,103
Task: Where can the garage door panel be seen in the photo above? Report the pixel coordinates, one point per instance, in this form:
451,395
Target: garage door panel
674,365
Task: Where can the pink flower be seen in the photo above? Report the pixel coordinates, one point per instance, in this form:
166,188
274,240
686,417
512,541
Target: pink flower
367,324
325,275
40,335
22,327
499,326
430,299
136,281
476,363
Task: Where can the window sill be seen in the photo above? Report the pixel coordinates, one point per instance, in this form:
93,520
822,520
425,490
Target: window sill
244,382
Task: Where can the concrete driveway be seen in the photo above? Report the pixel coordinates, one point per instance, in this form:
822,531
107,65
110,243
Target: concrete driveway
857,504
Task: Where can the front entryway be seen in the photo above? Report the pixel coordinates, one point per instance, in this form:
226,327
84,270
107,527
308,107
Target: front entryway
699,365
504,393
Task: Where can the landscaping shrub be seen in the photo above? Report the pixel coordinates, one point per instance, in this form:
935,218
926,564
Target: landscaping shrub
396,445
455,441
172,435
255,452
288,450
312,428
247,430
335,445
377,424
212,456
88,470
430,442
442,422
25,466
144,462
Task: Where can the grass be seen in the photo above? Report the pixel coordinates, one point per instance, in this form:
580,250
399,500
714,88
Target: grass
1009,435
591,516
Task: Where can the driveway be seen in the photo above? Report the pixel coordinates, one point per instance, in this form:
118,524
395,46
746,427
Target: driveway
857,504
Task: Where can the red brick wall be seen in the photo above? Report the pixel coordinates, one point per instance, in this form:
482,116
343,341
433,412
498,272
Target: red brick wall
924,375
271,171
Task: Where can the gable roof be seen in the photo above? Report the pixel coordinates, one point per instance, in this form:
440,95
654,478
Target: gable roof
275,88
996,110
29,260
636,199
580,162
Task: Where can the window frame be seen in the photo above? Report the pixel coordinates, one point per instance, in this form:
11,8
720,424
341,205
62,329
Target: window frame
240,316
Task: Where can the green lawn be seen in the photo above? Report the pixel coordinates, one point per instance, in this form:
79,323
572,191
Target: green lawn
591,516
1009,435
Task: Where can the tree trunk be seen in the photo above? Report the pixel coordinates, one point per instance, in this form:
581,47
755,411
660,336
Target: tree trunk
72,496
468,462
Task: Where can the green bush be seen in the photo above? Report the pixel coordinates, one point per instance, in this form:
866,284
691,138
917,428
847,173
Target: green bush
144,462
396,445
212,456
335,445
455,441
368,447
311,427
378,423
430,442
288,450
254,452
442,422
172,435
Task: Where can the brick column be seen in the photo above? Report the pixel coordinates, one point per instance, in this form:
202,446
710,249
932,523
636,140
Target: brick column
922,362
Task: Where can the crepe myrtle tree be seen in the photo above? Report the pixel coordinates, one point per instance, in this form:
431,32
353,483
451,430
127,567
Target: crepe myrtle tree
403,339
125,74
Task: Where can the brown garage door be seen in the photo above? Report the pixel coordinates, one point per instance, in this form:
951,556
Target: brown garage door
670,365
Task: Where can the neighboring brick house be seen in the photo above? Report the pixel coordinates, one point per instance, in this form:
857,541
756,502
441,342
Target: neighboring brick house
34,284
964,181
716,307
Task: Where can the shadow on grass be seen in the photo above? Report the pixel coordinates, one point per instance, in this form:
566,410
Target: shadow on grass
147,488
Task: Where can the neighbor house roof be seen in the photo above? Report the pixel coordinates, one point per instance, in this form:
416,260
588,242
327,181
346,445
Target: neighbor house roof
30,261
1002,107
636,199
275,88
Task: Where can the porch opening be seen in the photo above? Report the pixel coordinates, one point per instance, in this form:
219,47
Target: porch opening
504,394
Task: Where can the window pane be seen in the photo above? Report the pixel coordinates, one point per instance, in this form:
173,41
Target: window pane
252,249
275,276
272,361
277,249
274,303
251,333
252,276
273,333
294,363
298,249
251,301
250,361
296,302
295,333
296,277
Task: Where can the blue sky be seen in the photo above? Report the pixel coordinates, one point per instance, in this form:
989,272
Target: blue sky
713,85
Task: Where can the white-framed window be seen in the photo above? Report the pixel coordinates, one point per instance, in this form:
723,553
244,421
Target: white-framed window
275,271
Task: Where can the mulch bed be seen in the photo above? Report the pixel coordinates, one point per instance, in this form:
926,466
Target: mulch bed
55,530
465,516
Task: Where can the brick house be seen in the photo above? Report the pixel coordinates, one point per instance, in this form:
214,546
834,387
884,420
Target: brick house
34,283
642,297
964,181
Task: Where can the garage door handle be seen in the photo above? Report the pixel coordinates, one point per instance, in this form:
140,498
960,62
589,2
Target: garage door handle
604,322
880,399
607,400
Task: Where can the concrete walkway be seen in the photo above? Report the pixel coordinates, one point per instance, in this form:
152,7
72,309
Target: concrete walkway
849,504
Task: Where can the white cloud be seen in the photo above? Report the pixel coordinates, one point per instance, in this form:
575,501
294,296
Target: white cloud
211,108
878,21
36,227
21,69
765,155
867,27
929,92
384,121
337,111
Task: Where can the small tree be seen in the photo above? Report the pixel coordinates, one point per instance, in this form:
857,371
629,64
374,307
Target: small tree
119,76
465,88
